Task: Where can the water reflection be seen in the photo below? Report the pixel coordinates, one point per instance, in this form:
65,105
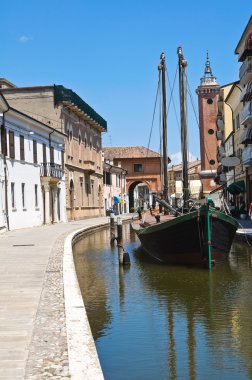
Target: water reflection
154,321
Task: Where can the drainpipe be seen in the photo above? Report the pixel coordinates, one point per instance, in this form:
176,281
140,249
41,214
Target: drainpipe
50,143
4,150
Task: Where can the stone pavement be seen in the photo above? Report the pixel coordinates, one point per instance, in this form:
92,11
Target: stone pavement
33,336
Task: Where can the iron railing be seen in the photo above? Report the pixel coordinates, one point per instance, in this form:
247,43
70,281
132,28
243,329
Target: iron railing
51,170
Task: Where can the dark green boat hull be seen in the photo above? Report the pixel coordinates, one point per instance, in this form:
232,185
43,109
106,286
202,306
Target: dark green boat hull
184,240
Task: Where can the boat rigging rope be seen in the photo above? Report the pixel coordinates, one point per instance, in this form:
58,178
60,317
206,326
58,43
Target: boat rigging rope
154,111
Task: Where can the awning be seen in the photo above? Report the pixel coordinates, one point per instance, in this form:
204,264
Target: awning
236,187
220,188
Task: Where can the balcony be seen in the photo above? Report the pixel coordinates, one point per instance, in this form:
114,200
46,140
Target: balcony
220,125
245,73
51,170
246,136
246,94
247,52
246,114
247,156
89,167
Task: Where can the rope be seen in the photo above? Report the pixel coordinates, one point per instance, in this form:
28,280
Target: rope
154,111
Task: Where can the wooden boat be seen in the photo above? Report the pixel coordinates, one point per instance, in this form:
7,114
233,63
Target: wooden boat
199,237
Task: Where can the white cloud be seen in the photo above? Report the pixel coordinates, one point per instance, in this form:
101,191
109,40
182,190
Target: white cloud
176,158
23,39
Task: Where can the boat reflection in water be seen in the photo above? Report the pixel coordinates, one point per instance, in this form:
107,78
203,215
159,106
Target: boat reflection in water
152,321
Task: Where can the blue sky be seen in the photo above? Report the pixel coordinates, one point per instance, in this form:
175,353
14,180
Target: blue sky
108,52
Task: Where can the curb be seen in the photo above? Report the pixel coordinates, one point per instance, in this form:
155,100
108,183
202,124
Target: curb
82,355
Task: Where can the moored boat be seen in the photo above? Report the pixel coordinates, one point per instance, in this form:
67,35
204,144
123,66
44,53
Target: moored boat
198,235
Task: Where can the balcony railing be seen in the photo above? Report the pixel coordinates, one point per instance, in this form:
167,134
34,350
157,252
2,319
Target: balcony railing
246,114
246,94
245,72
247,155
51,170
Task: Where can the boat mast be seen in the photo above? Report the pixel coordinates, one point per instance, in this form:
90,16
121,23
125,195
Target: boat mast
183,118
162,69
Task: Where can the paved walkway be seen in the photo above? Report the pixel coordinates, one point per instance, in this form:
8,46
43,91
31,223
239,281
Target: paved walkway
26,263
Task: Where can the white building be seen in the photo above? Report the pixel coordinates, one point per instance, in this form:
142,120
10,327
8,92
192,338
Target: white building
114,181
32,180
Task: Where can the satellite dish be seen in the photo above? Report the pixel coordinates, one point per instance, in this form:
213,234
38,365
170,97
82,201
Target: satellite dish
230,161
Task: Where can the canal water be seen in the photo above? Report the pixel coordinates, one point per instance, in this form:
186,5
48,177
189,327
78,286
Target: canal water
151,321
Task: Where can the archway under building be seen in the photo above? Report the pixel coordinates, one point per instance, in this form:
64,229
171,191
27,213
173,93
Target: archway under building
139,195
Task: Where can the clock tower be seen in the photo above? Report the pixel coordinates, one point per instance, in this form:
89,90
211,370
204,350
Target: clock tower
208,95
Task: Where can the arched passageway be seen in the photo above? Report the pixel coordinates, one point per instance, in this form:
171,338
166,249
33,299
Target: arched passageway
139,195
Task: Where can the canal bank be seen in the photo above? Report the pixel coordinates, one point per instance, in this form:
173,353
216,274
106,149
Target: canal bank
34,340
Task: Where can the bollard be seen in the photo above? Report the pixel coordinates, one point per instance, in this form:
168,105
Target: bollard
119,240
119,231
112,228
126,258
120,253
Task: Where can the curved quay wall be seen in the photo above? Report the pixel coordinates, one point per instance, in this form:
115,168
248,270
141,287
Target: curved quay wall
82,355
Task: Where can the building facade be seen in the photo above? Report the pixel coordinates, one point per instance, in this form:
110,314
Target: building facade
143,168
64,111
208,95
175,181
244,52
32,180
115,195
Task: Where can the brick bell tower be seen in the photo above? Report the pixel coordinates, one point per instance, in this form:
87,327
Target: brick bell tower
208,95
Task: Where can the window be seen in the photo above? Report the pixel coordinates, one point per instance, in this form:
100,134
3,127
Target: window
210,131
44,154
107,178
36,195
12,194
23,194
237,122
212,162
22,153
62,159
35,154
87,187
51,155
138,168
209,101
11,144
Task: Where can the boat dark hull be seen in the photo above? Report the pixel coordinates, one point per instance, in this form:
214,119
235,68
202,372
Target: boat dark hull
183,240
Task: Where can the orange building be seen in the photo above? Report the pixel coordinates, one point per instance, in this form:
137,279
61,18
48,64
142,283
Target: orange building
208,95
142,166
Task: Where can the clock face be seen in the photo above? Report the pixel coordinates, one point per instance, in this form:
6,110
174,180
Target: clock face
209,101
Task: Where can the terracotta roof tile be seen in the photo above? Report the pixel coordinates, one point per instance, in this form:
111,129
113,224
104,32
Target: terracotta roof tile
128,152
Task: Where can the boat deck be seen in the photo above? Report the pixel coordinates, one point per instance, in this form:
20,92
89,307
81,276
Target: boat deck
149,219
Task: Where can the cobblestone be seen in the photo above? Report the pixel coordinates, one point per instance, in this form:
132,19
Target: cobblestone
48,355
